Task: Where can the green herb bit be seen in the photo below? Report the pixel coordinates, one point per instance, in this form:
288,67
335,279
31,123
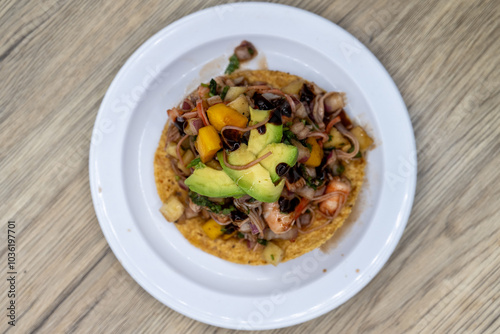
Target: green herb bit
213,88
205,202
359,155
241,235
177,178
288,136
224,92
340,169
272,257
350,150
234,64
205,85
227,211
251,51
223,230
262,241
196,163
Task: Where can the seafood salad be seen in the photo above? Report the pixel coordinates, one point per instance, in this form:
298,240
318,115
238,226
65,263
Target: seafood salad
259,166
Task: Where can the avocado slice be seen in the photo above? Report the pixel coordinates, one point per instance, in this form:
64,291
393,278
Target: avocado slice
211,182
273,134
282,153
255,181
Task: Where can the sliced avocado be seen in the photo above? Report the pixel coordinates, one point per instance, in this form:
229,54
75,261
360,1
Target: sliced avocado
211,182
255,181
282,153
258,141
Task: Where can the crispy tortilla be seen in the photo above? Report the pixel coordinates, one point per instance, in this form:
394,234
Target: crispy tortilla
235,250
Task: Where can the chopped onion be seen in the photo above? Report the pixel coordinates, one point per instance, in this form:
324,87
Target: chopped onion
306,192
303,152
254,229
183,185
244,228
331,159
190,114
270,96
214,100
304,219
192,126
311,171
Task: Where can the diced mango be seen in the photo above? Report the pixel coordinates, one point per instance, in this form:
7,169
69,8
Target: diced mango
173,209
186,158
221,115
293,87
364,140
316,153
172,149
234,92
338,141
240,105
212,229
272,254
208,143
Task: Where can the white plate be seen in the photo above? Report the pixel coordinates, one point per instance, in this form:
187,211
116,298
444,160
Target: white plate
126,134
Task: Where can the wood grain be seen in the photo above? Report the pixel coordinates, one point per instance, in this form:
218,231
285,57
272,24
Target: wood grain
57,59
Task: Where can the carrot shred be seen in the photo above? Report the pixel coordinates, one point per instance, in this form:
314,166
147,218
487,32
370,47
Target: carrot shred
332,123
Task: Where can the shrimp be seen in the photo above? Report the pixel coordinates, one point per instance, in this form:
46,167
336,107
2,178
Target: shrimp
331,205
278,222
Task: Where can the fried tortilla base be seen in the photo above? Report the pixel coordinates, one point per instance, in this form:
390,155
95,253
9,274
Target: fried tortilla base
236,250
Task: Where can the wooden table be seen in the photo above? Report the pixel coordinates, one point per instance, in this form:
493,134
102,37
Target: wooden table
58,58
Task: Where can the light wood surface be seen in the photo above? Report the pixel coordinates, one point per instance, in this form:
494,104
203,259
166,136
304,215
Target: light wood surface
57,59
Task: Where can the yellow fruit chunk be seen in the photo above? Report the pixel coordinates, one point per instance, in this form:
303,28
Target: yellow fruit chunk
316,153
173,209
208,143
212,229
272,254
364,140
221,115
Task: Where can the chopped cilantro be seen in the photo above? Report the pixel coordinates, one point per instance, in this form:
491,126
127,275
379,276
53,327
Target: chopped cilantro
289,123
227,211
224,92
350,149
309,146
359,155
340,169
234,64
240,235
262,241
313,183
196,163
303,121
223,229
211,206
251,51
205,85
213,88
177,178
272,257
288,136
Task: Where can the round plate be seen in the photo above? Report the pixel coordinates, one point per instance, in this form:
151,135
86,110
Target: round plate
128,128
